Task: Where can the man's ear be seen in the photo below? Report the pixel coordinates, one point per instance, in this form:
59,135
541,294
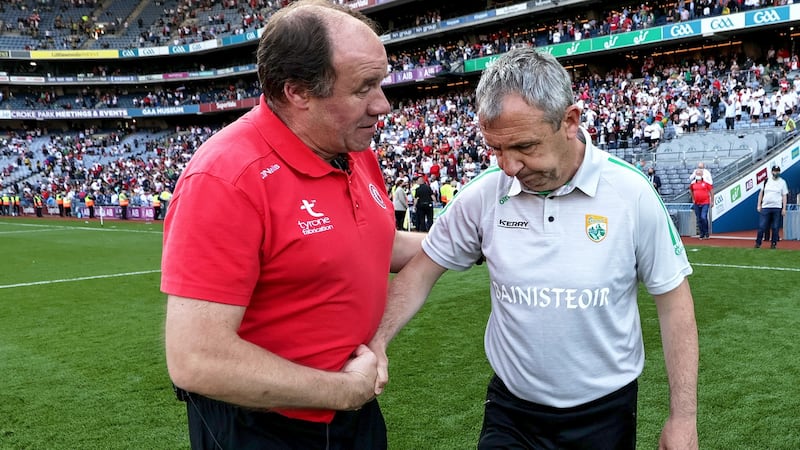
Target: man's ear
296,95
572,121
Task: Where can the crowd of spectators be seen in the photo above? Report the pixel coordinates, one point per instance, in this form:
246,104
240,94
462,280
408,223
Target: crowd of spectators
63,166
97,97
630,109
200,20
180,24
635,16
438,137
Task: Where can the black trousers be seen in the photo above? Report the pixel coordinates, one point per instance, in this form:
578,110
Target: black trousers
512,423
218,425
399,218
424,217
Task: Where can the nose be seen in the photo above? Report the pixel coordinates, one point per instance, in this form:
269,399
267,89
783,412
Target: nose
380,105
510,165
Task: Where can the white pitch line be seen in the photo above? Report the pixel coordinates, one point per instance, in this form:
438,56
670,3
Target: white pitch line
26,231
69,280
57,227
733,266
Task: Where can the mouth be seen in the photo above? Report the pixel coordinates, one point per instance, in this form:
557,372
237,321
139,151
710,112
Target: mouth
536,182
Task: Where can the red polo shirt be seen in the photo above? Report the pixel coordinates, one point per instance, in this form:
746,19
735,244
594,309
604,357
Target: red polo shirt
258,220
701,192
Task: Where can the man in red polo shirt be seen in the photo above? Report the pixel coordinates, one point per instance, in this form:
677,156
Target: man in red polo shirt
702,192
273,294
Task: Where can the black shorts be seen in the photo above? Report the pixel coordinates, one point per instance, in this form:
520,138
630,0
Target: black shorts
222,426
512,423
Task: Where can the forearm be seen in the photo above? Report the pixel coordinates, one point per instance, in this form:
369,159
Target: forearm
407,293
681,353
206,356
257,379
406,245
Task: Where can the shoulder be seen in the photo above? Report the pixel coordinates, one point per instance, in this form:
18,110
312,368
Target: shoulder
232,149
492,182
617,172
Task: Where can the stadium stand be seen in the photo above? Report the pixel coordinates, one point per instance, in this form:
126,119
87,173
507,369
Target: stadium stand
159,88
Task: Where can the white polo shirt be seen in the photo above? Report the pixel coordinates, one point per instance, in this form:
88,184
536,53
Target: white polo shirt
774,190
564,271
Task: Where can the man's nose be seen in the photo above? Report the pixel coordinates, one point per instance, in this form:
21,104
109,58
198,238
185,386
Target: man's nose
510,165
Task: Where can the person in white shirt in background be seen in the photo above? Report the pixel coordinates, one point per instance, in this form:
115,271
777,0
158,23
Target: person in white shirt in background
771,207
706,173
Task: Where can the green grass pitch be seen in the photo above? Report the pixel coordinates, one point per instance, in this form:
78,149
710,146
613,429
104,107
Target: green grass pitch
82,358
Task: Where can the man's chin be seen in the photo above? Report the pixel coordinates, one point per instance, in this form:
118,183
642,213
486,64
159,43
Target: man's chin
536,187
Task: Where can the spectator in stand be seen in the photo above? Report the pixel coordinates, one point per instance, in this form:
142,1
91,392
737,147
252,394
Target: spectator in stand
297,187
730,111
789,124
655,180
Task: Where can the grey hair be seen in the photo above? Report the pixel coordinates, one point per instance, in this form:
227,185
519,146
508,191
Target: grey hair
538,77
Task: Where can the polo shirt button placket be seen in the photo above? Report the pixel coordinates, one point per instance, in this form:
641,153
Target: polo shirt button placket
550,212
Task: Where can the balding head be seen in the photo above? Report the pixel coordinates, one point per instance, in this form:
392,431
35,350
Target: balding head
297,47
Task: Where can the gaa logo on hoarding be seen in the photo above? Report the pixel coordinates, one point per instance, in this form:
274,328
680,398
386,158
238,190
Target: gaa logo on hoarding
721,24
766,16
681,30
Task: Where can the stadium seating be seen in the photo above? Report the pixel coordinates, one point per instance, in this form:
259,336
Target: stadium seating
750,141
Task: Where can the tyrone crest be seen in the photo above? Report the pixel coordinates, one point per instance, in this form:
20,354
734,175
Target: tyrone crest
596,227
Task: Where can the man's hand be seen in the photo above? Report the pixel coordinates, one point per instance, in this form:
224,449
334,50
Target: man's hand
383,365
679,434
362,371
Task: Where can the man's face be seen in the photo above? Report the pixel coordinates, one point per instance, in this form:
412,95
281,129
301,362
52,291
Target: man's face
527,147
345,121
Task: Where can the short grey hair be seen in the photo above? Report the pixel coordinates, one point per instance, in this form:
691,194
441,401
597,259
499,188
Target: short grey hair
538,77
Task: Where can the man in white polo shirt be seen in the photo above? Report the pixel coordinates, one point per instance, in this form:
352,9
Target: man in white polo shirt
568,231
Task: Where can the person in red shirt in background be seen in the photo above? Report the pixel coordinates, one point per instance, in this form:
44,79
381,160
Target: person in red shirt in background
702,193
436,169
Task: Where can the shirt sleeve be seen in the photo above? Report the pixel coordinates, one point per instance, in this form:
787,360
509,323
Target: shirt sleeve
213,240
661,258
